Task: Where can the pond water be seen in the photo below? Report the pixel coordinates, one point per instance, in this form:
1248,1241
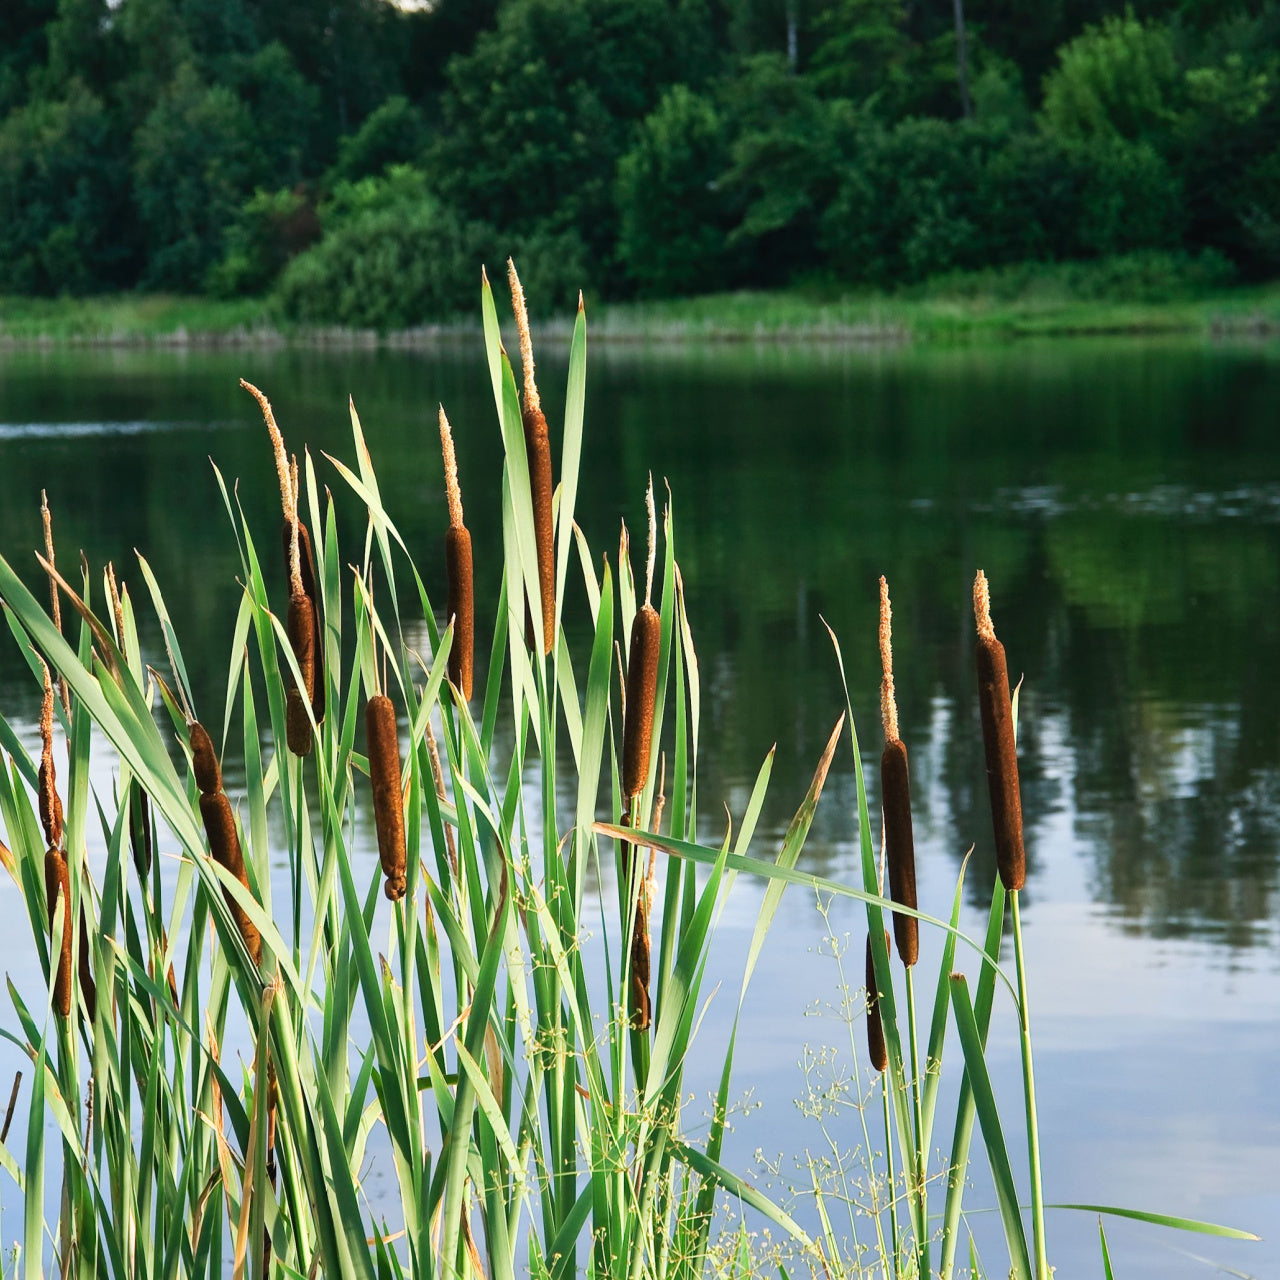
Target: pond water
1124,500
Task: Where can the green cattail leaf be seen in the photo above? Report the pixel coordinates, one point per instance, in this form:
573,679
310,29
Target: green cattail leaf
992,1132
938,1025
1162,1220
571,453
1106,1253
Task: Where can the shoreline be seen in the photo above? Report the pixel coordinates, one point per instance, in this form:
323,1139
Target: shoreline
783,316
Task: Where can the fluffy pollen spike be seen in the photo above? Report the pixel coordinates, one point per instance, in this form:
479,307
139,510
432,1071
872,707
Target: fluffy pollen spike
277,444
888,702
531,401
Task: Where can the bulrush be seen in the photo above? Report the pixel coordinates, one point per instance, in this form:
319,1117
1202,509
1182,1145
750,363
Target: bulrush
220,827
388,805
302,621
57,876
998,742
875,1028
895,790
537,445
458,572
637,741
642,676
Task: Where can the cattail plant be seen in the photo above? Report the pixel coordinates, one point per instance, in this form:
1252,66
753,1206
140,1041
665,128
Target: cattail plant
302,620
220,826
895,787
57,875
637,742
388,805
458,572
998,742
538,449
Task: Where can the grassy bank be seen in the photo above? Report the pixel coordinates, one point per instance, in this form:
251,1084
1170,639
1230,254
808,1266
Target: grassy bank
1007,304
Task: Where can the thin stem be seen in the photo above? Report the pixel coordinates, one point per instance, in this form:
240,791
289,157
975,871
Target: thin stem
1028,1080
922,1245
893,1179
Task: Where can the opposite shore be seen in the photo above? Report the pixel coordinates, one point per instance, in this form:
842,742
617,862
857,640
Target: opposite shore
964,311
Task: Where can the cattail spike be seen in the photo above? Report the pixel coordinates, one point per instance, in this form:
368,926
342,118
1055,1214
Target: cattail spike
55,600
301,628
51,817
57,883
999,744
888,702
452,492
642,684
875,1027
900,852
295,556
388,804
204,760
224,844
531,401
277,444
653,542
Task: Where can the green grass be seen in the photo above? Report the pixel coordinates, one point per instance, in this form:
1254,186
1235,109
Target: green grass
1143,294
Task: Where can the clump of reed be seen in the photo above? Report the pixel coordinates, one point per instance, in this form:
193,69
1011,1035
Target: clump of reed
220,827
459,576
541,486
304,699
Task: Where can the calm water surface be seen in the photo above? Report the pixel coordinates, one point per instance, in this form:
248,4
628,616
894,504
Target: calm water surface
1124,499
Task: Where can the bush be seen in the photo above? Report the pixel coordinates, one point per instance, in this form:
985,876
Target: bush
271,228
674,215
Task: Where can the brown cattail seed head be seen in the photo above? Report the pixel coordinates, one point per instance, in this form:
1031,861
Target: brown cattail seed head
307,574
57,880
642,685
388,806
204,761
538,448
900,851
875,1028
224,844
301,629
457,556
998,745
50,804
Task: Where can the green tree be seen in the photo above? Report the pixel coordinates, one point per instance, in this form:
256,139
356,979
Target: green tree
674,214
194,165
64,225
394,133
536,117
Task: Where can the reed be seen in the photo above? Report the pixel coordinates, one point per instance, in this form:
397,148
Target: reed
998,742
538,450
220,827
459,578
388,806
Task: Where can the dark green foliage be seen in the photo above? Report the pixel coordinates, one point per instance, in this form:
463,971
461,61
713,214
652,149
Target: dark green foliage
63,183
271,228
395,133
675,216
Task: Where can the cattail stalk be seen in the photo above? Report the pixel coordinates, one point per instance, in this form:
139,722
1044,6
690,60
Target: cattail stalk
458,572
642,678
220,827
388,804
998,743
303,620
537,445
895,789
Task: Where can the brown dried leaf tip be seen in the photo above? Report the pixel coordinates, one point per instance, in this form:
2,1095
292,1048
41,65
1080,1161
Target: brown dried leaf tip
875,1027
458,572
998,743
537,445
895,791
388,803
220,827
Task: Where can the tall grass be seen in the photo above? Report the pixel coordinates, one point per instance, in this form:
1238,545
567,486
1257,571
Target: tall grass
271,1018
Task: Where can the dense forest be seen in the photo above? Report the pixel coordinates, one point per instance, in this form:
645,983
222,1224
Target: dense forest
354,159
